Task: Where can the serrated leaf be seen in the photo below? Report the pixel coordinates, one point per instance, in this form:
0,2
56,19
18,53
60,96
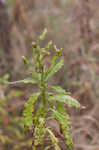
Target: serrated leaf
29,109
53,69
59,89
53,139
53,61
60,108
65,99
58,115
39,131
64,121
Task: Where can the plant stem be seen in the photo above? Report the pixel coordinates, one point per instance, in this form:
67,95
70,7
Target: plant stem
44,101
43,93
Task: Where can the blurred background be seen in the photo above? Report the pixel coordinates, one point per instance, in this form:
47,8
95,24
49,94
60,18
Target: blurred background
72,25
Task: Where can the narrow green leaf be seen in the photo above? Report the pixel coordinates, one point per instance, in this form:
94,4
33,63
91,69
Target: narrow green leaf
42,37
26,62
36,76
27,80
53,139
34,56
29,109
17,93
60,117
48,46
59,89
53,69
58,51
47,148
53,61
39,131
65,99
64,121
61,108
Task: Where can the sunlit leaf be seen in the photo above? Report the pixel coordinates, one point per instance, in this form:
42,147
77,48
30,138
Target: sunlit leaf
26,80
59,89
65,99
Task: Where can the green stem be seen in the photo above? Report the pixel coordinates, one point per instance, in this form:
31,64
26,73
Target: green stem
44,101
43,88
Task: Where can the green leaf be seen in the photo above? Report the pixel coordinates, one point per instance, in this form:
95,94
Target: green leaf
64,121
59,89
26,62
29,109
65,99
39,131
17,93
53,139
48,46
53,68
27,80
53,61
36,76
61,108
48,148
42,37
58,51
60,117
4,78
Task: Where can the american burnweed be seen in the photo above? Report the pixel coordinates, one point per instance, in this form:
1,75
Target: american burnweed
53,101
